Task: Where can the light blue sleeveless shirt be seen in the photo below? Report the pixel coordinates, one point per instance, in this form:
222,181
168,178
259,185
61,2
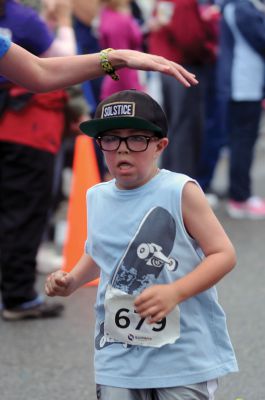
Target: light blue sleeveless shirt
5,43
116,218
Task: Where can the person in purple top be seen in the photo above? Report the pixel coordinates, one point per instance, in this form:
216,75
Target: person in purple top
18,19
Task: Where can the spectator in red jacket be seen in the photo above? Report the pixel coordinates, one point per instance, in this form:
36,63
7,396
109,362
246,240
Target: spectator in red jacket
181,32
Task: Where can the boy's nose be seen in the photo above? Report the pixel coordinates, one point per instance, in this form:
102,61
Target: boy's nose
123,148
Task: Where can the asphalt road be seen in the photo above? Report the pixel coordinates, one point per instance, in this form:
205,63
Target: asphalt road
52,359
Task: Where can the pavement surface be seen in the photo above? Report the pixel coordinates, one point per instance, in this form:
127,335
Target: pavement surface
53,359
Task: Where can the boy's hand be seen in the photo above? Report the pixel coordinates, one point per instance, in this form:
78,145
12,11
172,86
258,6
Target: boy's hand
59,283
155,302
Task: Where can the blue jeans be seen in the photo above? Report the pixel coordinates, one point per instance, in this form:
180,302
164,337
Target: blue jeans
215,129
244,126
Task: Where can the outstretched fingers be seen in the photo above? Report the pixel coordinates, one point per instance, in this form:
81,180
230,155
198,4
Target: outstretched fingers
186,74
151,62
163,65
177,71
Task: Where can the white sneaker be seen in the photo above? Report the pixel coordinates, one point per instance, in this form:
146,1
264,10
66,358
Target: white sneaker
253,208
48,260
212,200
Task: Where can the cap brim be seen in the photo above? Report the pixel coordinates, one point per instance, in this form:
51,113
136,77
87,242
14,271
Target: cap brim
95,127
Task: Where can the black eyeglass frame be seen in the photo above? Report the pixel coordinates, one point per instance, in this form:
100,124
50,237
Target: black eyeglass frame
125,139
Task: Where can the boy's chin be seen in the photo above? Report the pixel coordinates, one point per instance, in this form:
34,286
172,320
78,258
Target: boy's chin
125,185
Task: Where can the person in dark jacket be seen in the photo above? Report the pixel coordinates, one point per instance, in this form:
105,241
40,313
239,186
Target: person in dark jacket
242,73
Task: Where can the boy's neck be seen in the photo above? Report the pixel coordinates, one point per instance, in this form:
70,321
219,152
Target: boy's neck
156,172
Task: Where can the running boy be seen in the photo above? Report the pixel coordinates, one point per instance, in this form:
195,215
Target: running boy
160,332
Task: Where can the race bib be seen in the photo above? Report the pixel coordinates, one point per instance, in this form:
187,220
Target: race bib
123,324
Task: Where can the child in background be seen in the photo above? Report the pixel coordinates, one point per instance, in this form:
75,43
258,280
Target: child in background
118,29
160,331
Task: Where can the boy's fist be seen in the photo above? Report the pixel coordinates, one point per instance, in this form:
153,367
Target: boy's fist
59,283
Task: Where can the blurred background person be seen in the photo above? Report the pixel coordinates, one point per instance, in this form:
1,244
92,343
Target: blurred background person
31,127
215,126
85,23
85,14
118,28
181,32
241,74
77,109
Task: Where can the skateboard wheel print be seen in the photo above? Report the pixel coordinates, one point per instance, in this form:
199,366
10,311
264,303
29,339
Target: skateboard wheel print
172,265
143,250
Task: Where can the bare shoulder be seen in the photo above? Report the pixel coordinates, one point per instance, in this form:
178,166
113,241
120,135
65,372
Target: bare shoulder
193,197
197,214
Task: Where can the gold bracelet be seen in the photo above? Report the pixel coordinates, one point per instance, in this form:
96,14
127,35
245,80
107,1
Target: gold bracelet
106,64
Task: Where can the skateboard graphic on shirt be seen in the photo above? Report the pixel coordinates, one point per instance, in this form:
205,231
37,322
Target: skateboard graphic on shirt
144,259
148,253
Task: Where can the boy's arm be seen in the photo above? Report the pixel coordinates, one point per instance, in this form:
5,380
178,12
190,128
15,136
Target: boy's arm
61,283
201,223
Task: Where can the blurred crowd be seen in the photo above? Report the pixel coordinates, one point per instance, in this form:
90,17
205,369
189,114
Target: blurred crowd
222,42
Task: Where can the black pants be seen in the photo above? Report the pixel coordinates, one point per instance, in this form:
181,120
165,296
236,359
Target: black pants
185,112
244,128
25,192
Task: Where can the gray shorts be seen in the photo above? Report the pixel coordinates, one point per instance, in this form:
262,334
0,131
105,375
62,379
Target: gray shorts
198,391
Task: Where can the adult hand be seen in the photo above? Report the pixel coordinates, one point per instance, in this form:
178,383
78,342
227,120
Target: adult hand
150,62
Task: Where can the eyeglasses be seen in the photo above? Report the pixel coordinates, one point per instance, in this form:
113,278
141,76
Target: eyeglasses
134,143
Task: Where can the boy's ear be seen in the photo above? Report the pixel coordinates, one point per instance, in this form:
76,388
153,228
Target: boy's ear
162,144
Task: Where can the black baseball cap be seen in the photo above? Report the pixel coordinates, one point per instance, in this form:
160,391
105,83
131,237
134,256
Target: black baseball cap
127,109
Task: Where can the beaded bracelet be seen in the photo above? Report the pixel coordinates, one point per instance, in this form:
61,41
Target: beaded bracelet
106,64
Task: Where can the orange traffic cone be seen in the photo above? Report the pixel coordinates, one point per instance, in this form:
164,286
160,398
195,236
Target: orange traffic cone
85,175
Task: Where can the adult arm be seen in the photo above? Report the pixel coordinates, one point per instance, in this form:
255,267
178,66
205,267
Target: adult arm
46,74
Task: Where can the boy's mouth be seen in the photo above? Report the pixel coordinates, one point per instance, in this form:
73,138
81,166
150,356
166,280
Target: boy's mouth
123,165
